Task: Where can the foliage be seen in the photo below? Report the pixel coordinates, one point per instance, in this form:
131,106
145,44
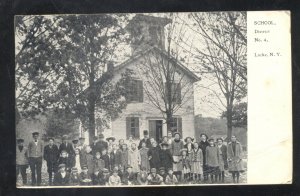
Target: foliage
65,62
239,115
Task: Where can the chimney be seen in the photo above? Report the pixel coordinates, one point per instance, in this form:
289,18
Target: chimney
146,31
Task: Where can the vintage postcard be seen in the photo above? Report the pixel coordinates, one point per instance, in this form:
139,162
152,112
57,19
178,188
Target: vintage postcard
153,99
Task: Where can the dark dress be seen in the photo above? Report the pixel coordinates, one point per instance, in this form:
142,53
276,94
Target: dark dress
115,159
51,155
202,146
105,158
155,160
60,181
166,159
66,161
99,146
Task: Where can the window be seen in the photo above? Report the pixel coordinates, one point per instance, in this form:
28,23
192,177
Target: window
135,91
176,125
132,127
175,92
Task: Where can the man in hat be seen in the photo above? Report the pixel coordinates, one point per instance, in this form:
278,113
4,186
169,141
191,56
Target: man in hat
75,143
146,140
99,145
62,177
51,156
21,160
35,154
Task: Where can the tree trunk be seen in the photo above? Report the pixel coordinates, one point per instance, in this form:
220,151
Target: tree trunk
91,120
168,121
229,122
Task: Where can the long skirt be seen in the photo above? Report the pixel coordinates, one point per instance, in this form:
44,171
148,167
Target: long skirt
186,170
221,165
196,168
235,165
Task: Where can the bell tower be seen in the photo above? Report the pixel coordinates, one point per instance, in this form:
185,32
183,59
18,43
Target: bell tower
146,31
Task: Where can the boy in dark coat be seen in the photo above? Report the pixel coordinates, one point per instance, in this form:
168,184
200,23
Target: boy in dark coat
64,159
105,158
146,140
85,177
62,177
129,177
74,177
202,145
115,156
154,158
51,156
166,159
103,177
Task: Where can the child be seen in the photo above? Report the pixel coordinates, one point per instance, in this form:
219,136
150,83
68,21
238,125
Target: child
129,177
171,178
103,177
74,177
105,158
142,176
223,159
98,166
124,156
144,157
22,161
85,177
62,177
114,179
188,144
115,156
89,160
121,142
153,155
166,159
110,144
153,178
212,160
162,173
176,146
185,165
196,157
134,158
235,154
64,159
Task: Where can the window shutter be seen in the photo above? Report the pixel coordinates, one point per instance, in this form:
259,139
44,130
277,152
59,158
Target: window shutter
178,93
137,130
128,127
140,90
179,125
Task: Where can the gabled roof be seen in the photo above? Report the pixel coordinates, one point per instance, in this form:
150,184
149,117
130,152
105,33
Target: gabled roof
185,70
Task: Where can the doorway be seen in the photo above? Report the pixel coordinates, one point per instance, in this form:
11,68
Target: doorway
155,129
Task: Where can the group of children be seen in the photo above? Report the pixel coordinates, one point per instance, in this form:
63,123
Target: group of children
170,162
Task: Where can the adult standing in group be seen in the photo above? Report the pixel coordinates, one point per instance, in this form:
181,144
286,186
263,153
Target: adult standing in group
223,159
51,155
146,140
176,146
35,156
153,156
170,138
100,145
234,156
203,145
21,160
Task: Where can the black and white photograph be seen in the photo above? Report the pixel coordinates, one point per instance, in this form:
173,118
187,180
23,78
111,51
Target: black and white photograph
131,99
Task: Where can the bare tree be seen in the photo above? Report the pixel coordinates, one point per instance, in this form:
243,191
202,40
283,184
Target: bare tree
223,35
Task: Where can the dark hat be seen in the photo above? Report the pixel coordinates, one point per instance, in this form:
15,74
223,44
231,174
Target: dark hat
75,141
35,133
153,170
146,132
81,138
64,137
50,138
111,138
101,136
161,168
105,170
128,166
61,165
84,167
192,139
177,133
170,169
164,144
210,139
20,140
